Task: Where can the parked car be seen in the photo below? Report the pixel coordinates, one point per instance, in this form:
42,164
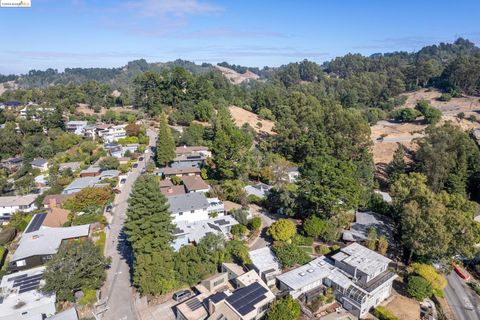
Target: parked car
116,191
143,171
140,159
122,181
109,208
182,295
135,165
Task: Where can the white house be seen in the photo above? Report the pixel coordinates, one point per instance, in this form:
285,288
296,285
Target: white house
76,127
21,298
113,133
191,207
11,204
39,163
265,263
359,277
259,190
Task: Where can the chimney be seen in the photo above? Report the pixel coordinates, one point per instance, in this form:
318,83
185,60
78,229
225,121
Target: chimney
52,202
170,190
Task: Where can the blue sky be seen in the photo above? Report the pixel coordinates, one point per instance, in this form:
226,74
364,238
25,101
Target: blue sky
88,33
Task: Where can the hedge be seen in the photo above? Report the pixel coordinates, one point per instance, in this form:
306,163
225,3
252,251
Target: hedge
383,314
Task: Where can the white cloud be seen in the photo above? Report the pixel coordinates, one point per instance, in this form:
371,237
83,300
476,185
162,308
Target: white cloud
179,8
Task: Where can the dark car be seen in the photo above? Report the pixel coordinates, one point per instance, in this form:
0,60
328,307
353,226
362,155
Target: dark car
116,191
140,159
109,208
135,165
182,295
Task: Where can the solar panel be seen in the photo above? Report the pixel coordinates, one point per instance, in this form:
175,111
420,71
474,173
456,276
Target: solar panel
194,304
244,299
36,222
25,280
221,222
27,289
17,277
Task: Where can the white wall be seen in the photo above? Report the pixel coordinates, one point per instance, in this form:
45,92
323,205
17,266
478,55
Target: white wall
197,215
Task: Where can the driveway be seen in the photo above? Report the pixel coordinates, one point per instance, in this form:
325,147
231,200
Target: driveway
463,301
117,294
263,240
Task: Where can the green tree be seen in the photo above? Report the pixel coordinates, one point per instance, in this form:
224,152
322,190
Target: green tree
204,110
429,273
286,308
77,265
419,288
314,226
290,255
255,223
165,143
397,166
238,231
154,272
148,94
109,163
382,246
282,230
371,242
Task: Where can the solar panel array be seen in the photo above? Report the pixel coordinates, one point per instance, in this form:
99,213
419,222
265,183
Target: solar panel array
36,222
244,299
222,222
194,304
27,283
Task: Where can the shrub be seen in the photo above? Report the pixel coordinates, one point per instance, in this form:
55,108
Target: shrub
322,249
7,235
238,230
255,223
445,97
301,240
461,115
429,273
89,296
290,254
176,180
254,199
3,253
419,288
285,308
241,216
476,287
383,314
282,230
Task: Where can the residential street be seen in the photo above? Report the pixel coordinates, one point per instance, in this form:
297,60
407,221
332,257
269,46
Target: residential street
266,222
117,292
463,301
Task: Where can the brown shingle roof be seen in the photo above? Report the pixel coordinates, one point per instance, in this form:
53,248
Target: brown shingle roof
56,217
165,183
58,198
173,190
193,183
172,171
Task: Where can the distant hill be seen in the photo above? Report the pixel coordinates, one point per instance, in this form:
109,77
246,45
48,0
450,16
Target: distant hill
236,77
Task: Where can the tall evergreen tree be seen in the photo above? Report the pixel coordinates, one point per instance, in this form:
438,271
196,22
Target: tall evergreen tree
149,224
397,166
165,143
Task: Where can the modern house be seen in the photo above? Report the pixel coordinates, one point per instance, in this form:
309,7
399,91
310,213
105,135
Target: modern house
39,163
189,207
69,314
113,133
39,243
233,270
364,221
186,232
11,204
259,190
265,263
119,151
76,127
21,299
184,150
195,184
359,277
179,172
91,181
92,171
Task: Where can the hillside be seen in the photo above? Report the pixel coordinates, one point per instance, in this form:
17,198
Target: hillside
236,77
241,116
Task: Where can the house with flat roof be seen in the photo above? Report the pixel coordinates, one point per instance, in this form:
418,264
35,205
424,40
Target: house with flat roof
113,133
259,190
11,204
185,150
40,164
74,166
179,172
265,263
20,297
76,127
232,269
186,232
195,184
39,243
69,314
359,277
191,160
89,181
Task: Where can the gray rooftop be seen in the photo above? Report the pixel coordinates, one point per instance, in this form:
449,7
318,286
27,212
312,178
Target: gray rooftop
38,162
81,183
199,229
362,258
91,169
14,201
365,221
264,259
46,241
69,165
187,202
70,314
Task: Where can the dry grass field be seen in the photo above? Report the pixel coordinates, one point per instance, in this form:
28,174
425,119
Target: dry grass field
241,116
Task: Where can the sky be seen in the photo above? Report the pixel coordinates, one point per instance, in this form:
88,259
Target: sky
109,33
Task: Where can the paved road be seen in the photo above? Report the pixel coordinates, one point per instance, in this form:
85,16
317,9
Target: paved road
117,292
262,240
459,296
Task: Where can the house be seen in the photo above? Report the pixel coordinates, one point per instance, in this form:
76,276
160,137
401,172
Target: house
247,303
189,207
21,298
215,207
54,200
76,127
118,151
39,163
216,282
359,277
91,181
91,171
41,181
293,174
259,190
11,204
265,263
173,190
192,160
247,278
195,184
39,244
113,133
69,314
184,150
13,105
179,172
12,164
186,232
364,221
233,270
385,196
90,131
73,166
